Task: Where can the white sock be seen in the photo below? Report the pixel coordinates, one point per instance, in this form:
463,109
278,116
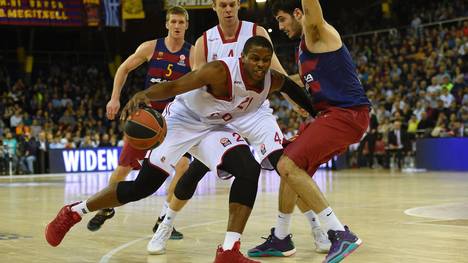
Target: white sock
329,220
80,208
230,239
313,219
170,217
283,225
164,209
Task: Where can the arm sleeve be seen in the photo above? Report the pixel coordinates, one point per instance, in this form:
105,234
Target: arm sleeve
298,95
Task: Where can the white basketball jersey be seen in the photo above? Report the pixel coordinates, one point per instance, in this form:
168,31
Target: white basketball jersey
242,99
216,46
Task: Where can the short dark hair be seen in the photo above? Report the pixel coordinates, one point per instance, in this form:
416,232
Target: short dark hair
177,10
257,41
287,6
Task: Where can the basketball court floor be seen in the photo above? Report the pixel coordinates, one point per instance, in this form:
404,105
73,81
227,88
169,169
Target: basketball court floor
401,217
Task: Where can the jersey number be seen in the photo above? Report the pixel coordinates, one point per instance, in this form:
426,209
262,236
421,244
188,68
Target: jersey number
278,138
231,53
245,104
238,137
169,70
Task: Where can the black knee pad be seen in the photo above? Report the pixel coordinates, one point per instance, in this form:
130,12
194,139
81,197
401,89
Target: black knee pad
274,158
148,181
187,184
240,162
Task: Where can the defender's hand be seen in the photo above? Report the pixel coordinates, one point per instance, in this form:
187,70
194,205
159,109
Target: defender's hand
112,108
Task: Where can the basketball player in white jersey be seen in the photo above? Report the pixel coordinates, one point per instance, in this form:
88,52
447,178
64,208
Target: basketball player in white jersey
260,127
177,20
215,95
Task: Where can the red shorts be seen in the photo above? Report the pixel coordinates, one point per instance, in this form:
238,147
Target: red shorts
332,131
131,156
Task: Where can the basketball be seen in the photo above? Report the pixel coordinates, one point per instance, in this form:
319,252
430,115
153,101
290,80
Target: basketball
145,129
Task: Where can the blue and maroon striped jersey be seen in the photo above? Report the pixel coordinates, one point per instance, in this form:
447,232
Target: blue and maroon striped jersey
331,78
166,66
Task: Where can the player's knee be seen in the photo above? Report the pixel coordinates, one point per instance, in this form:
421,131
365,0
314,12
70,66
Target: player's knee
183,165
240,162
246,171
274,158
187,184
121,172
149,180
283,167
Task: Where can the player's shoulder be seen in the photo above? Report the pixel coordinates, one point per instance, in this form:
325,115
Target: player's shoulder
149,45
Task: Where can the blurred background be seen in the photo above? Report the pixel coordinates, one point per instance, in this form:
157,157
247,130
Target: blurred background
58,59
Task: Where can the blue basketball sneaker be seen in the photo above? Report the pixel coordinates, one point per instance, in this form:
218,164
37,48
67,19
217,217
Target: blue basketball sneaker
274,247
343,244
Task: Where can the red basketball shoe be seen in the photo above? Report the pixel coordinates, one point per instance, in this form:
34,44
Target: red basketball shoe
232,256
57,229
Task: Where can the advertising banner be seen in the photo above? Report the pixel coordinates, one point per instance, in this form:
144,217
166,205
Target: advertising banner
83,160
41,12
196,4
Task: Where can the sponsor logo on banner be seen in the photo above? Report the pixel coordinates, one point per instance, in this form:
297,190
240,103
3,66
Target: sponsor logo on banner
84,160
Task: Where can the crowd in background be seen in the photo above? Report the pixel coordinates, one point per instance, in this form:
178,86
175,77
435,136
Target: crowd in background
415,78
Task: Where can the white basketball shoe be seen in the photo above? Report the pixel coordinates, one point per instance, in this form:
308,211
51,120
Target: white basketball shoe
157,244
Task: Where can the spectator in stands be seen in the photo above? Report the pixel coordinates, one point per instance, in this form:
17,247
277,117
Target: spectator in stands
398,143
16,119
446,97
87,142
42,155
105,141
440,128
3,159
10,144
56,143
29,157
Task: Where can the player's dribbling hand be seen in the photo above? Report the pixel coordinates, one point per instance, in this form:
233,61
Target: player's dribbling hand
112,108
133,104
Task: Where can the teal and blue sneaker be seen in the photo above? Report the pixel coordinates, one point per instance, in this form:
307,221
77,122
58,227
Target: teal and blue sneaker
274,247
343,243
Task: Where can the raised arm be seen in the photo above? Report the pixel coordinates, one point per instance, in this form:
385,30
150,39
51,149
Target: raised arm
213,74
142,54
319,35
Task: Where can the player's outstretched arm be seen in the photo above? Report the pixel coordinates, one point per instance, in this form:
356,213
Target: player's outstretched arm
141,55
319,35
213,74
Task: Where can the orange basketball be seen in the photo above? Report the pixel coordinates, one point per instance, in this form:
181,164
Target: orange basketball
145,129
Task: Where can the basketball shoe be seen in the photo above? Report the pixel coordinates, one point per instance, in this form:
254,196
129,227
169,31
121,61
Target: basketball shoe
157,244
343,243
232,256
274,247
98,220
322,243
175,235
57,229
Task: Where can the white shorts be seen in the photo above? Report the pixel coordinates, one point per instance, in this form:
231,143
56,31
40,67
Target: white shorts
186,133
261,131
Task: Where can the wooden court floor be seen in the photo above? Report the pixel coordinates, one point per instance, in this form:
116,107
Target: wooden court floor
401,217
